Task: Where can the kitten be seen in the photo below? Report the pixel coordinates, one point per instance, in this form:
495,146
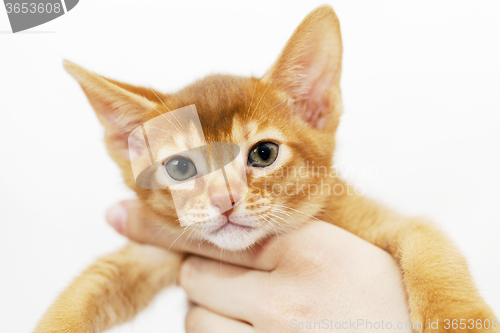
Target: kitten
286,119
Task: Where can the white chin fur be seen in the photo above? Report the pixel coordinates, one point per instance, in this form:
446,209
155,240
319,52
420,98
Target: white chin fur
234,240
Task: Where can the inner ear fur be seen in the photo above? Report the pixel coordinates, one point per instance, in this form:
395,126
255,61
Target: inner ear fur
309,67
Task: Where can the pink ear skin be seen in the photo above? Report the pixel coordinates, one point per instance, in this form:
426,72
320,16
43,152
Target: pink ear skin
119,107
308,69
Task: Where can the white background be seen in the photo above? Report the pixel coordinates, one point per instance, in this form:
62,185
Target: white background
421,87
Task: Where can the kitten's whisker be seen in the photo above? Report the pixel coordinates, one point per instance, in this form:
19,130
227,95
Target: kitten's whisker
182,233
274,220
188,236
223,257
262,97
163,226
258,121
166,107
156,128
250,105
278,223
183,217
156,225
322,210
156,234
199,245
272,226
282,213
270,111
159,98
280,218
298,211
162,114
274,209
230,257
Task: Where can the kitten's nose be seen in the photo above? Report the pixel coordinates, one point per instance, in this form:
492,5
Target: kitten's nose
225,201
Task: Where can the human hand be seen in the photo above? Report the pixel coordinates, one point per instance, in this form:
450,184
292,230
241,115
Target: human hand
319,275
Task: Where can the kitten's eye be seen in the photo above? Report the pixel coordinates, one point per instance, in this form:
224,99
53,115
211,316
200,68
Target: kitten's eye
181,168
263,154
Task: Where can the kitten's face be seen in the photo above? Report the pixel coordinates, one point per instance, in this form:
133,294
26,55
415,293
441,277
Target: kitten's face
283,124
270,188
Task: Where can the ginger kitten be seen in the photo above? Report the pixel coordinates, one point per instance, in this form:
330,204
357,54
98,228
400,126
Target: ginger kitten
284,120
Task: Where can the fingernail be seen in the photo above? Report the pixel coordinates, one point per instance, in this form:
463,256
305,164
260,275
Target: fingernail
117,217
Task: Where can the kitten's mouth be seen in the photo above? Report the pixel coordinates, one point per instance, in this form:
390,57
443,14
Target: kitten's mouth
231,226
232,233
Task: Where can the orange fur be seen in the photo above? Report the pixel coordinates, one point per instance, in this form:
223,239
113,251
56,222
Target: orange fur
298,102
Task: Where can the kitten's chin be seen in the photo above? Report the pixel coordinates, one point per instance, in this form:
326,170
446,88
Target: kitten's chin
233,237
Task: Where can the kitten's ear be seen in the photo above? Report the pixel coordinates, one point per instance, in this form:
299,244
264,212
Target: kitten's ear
308,69
119,107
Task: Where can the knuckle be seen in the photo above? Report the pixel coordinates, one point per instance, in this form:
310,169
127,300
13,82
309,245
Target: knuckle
290,300
276,315
273,309
301,309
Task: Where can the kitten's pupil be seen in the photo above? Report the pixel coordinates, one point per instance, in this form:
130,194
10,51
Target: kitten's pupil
182,166
264,152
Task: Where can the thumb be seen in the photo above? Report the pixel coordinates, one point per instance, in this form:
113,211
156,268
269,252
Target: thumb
132,221
129,219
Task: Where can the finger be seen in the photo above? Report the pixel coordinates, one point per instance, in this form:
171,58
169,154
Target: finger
230,290
201,320
130,220
117,216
